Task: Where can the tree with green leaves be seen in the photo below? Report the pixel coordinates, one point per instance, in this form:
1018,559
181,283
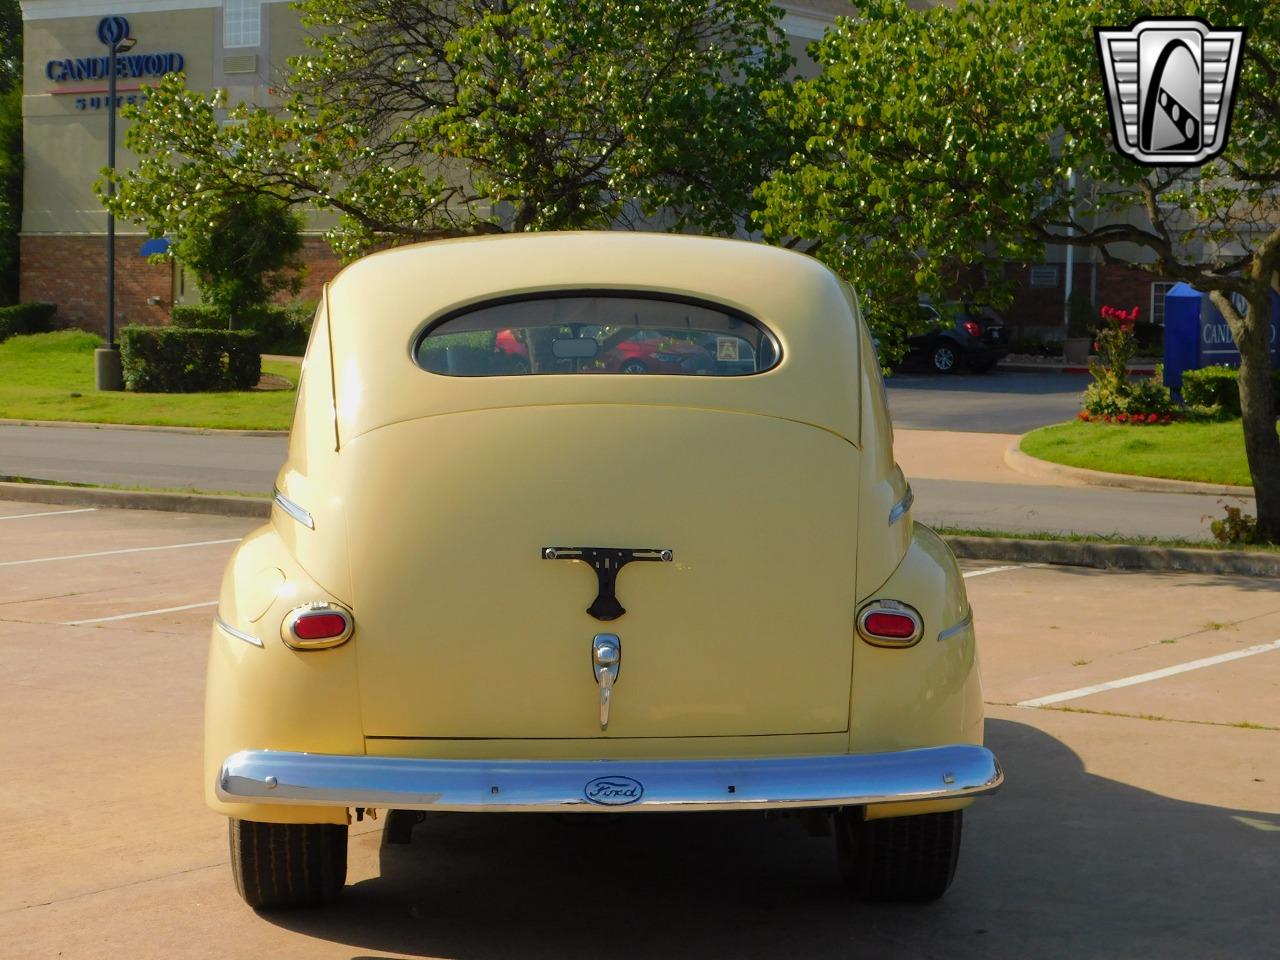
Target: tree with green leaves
10,191
244,252
419,119
10,147
10,45
942,144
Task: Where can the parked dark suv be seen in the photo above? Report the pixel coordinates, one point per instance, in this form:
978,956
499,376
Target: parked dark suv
959,335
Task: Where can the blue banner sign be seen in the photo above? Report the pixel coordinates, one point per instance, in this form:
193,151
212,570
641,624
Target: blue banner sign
1196,334
1217,346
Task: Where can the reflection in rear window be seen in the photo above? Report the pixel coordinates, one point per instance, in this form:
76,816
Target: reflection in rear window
578,333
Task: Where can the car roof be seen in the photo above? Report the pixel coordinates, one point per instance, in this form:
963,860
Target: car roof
379,305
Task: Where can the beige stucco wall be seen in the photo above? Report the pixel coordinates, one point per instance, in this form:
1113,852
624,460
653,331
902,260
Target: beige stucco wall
66,147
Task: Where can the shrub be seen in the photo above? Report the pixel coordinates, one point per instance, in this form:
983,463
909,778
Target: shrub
26,318
1036,346
1236,527
198,316
1217,390
1112,395
281,328
178,360
1150,337
245,250
1079,315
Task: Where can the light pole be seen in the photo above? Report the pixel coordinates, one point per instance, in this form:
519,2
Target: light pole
114,32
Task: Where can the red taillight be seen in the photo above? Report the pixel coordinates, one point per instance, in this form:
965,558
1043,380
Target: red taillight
890,623
891,626
972,328
316,626
319,626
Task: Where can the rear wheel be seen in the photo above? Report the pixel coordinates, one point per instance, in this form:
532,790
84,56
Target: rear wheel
945,358
902,858
634,366
287,864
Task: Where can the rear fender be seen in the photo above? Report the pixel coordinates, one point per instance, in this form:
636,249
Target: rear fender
928,694
269,696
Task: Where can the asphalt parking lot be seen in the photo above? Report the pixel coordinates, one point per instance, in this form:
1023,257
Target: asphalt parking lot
1140,818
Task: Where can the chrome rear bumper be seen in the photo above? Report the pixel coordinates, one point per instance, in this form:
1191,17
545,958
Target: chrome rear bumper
932,773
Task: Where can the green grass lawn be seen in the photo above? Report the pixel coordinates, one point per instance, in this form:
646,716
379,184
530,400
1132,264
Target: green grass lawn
1209,452
49,376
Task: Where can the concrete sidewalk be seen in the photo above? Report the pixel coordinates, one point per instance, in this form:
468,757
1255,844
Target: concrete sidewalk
972,457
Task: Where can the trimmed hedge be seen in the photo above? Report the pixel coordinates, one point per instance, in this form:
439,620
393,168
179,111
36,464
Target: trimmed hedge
26,318
1218,387
176,360
282,328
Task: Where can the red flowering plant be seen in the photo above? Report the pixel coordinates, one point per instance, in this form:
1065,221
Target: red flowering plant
1113,397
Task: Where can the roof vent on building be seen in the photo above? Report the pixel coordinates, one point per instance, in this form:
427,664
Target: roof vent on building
240,63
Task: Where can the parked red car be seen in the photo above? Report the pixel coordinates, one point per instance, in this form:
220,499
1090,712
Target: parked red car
649,351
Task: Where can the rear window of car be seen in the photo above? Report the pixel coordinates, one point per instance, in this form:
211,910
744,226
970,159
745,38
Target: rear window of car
595,333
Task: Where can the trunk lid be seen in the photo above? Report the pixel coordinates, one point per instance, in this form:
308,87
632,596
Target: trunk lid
463,629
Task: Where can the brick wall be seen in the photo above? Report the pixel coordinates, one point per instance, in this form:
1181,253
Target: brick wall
321,264
1040,309
70,271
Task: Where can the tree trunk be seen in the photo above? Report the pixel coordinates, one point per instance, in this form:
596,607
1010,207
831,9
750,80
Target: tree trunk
1258,410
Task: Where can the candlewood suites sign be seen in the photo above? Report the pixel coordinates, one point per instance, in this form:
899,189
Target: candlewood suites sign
129,66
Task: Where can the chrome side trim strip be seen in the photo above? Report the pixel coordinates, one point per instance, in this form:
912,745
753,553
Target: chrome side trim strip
899,509
231,631
292,509
750,783
959,628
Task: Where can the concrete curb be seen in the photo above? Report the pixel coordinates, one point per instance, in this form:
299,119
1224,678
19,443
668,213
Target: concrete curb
1015,366
137,500
1107,556
155,428
1035,467
1118,556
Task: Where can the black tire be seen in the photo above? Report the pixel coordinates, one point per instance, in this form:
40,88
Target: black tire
287,864
634,366
910,859
945,358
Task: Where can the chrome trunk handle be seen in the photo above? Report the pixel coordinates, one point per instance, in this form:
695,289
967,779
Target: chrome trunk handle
606,659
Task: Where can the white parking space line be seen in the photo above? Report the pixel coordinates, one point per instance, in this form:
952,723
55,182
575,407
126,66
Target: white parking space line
985,570
112,553
140,613
1153,675
49,513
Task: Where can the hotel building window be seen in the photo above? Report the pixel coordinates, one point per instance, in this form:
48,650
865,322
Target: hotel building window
241,23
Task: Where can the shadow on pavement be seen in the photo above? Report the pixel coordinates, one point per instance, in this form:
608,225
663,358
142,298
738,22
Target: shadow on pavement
1059,864
1158,581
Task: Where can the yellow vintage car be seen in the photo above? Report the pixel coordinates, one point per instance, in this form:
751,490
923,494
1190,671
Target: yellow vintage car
584,523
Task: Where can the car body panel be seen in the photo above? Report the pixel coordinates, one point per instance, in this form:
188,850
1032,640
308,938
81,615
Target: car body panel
378,306
497,641
429,498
